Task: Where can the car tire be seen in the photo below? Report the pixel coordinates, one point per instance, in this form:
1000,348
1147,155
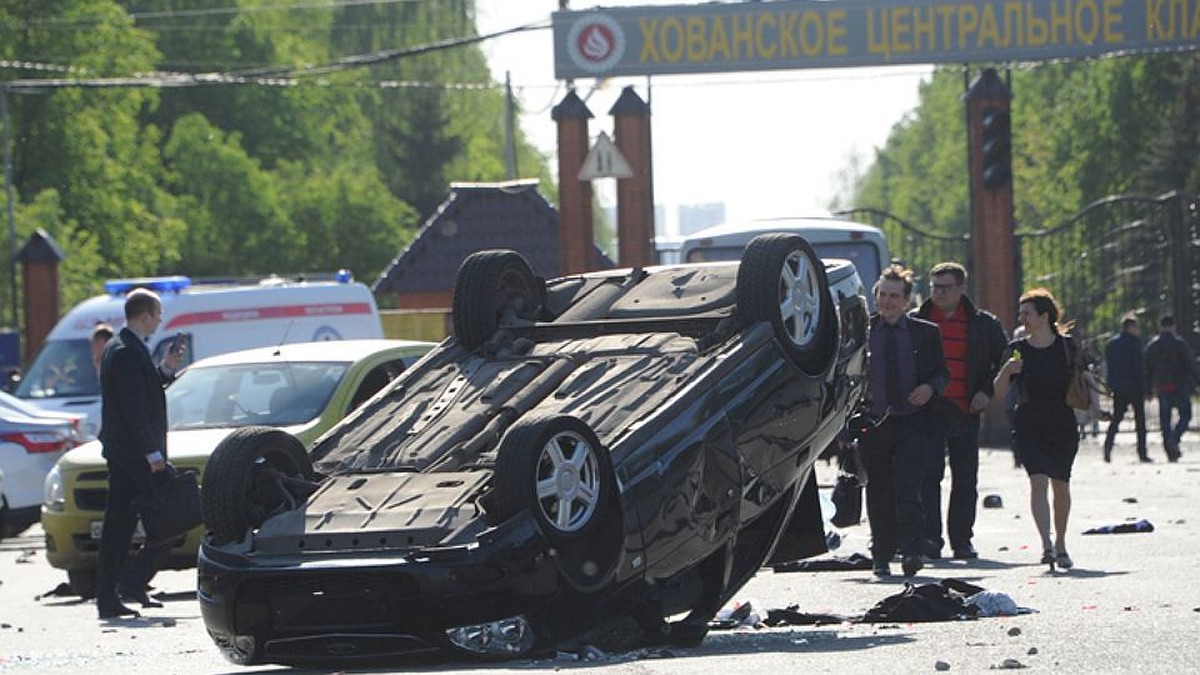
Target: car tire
253,474
82,582
493,288
556,468
782,281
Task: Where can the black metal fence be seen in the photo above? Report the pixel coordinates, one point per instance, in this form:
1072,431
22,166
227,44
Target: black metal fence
918,249
1120,254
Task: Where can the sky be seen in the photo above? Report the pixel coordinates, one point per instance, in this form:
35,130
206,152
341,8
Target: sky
768,143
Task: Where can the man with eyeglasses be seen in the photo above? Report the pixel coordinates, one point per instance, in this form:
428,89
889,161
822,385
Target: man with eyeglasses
972,341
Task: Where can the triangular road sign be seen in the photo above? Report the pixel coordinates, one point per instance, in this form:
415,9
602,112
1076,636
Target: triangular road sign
604,161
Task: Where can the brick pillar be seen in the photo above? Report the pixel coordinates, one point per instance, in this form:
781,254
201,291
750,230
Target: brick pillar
575,238
635,195
39,260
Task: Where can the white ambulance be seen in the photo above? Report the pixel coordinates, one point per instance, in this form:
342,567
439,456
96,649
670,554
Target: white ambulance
211,317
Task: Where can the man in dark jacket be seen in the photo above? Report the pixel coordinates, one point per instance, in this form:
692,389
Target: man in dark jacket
906,371
1125,375
1172,372
133,435
972,341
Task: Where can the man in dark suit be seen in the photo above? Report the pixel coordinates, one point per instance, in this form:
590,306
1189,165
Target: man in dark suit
133,433
907,369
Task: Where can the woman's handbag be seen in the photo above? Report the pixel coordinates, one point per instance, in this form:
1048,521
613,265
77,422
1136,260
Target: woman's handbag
1079,392
172,507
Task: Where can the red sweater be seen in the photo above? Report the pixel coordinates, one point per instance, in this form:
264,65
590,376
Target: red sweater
954,346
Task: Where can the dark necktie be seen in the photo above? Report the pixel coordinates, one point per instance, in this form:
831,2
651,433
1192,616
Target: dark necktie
891,368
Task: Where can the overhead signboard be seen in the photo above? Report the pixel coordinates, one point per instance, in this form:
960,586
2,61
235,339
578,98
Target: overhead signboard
604,161
727,37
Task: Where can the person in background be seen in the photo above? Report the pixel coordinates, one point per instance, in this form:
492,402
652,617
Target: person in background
1171,371
906,370
1125,375
101,334
973,342
133,437
1044,425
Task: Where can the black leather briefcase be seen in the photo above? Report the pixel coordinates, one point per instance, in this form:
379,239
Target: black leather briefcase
173,506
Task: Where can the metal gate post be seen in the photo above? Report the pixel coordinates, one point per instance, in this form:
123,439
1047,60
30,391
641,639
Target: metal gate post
1180,245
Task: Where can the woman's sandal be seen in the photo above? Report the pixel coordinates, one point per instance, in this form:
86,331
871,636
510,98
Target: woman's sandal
1064,561
1048,558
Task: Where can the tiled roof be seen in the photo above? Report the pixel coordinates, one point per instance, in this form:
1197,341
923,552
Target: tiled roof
477,216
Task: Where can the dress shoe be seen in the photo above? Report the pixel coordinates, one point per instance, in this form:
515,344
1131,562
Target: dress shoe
911,565
140,596
967,552
115,610
1144,459
881,569
1064,561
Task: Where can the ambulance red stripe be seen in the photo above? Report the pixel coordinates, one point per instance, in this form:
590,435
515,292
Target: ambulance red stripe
259,313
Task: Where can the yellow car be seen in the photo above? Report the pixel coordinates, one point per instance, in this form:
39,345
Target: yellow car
303,388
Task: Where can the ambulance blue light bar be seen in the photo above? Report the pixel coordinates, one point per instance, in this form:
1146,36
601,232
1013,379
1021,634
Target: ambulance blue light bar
156,284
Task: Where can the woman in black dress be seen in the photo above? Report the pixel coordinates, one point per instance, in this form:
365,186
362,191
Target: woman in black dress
1044,425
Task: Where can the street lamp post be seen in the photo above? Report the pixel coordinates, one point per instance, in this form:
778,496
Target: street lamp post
8,193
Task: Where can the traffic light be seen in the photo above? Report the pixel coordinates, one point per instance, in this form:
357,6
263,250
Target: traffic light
995,146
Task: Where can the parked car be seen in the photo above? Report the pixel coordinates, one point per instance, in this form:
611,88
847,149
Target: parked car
301,387
629,443
31,441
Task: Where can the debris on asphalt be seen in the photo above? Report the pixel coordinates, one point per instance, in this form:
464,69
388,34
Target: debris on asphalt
792,616
59,591
739,614
1142,525
1032,651
1009,664
993,501
994,603
855,561
1130,500
1014,631
945,600
941,665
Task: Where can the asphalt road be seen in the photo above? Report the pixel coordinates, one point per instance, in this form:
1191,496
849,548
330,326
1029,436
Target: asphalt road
1132,603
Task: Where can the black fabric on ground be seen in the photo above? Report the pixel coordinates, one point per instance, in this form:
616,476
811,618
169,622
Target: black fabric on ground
1123,528
792,616
855,561
942,601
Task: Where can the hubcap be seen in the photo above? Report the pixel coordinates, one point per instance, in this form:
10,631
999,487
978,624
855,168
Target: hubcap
568,481
799,301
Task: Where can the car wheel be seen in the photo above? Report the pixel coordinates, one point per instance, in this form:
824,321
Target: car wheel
782,281
253,474
82,582
556,468
493,288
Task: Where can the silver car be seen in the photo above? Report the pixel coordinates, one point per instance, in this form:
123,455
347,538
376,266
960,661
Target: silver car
31,441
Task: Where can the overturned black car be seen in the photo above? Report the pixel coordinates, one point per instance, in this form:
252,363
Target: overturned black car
633,443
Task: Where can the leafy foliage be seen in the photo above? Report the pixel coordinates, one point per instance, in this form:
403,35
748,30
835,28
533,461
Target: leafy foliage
280,161
1082,130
